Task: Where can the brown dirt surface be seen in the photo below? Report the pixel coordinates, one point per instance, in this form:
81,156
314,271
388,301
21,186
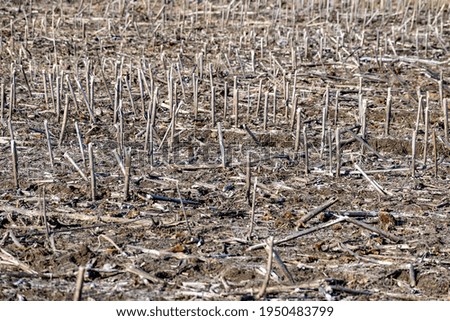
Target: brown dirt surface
137,79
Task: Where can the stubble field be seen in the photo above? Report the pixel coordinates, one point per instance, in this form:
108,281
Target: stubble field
215,150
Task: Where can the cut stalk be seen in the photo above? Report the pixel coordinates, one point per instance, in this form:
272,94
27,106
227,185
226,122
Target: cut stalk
92,170
221,144
15,164
49,144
